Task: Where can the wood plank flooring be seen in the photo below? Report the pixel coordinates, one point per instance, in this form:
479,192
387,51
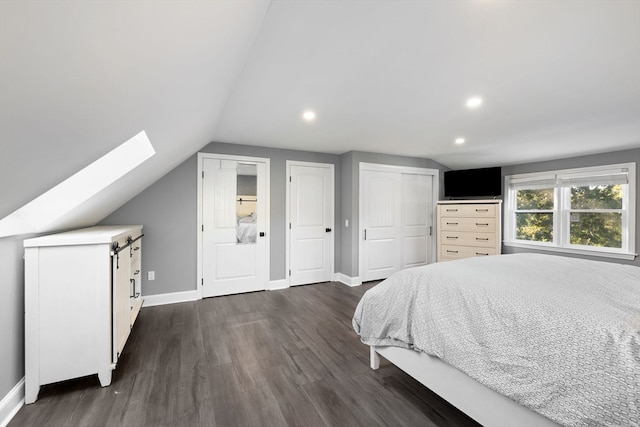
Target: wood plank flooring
274,358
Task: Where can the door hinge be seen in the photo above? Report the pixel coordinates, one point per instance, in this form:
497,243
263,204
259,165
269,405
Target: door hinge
289,273
289,178
289,226
202,174
430,230
202,227
202,282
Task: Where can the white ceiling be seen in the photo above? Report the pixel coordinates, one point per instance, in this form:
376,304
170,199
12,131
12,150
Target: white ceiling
78,78
559,78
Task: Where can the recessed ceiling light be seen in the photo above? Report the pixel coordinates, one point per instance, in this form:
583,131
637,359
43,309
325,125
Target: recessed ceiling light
459,141
474,102
309,115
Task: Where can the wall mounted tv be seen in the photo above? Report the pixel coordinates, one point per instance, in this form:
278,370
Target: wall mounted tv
472,183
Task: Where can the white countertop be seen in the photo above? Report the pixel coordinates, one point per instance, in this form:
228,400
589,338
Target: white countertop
86,236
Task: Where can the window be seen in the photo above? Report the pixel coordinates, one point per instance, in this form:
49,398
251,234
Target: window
586,210
41,214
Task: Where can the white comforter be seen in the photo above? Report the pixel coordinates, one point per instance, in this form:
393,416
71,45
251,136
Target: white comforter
558,335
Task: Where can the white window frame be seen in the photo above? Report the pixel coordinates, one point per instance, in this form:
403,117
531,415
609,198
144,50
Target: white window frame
560,181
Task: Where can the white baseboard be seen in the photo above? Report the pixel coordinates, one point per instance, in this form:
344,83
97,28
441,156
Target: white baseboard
349,281
171,298
278,284
11,403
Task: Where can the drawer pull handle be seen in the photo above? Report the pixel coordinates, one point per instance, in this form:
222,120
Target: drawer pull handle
452,237
452,210
451,252
482,210
481,253
482,238
480,224
452,223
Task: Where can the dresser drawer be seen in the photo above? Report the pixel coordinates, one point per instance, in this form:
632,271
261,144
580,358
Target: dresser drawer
468,224
470,210
468,238
457,252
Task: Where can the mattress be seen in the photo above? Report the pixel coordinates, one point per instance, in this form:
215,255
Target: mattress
558,335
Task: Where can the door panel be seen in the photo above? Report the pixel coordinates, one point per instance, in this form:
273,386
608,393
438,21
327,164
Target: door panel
233,254
381,224
415,219
311,216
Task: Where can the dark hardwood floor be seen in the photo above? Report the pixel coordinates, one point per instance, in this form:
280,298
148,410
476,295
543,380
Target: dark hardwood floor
275,358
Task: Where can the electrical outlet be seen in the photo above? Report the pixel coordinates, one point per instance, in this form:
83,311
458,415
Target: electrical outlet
346,223
151,275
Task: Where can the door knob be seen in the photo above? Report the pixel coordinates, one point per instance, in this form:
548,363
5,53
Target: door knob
262,234
328,230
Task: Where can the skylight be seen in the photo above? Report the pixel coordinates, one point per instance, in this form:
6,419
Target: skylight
37,215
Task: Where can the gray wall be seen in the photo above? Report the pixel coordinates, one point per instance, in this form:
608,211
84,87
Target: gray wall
167,209
11,313
625,156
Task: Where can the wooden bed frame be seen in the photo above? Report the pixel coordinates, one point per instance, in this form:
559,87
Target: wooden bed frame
479,402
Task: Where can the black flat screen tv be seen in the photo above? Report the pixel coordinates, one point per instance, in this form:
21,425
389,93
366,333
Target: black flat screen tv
471,183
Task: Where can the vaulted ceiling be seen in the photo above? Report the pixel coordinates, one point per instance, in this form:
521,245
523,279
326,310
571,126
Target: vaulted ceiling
78,78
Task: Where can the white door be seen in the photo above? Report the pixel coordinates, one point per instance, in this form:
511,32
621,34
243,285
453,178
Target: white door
396,214
380,214
416,208
311,227
234,245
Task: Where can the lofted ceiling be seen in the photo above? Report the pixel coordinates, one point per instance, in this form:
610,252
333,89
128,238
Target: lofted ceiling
78,78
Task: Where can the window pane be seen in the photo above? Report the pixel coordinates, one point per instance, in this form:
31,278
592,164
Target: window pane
596,229
535,199
537,227
597,197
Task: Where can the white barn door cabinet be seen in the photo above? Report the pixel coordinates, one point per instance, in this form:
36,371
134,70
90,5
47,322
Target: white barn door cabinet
82,296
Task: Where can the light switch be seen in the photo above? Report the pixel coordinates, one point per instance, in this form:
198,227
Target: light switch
346,223
151,275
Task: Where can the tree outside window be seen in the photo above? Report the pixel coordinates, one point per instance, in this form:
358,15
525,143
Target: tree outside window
534,214
595,218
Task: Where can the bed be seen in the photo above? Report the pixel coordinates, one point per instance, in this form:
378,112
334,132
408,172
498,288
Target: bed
520,339
247,229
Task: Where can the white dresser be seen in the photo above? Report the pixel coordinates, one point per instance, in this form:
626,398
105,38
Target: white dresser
469,228
82,296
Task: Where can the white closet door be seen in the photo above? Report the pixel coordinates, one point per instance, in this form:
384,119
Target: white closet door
416,208
381,224
311,224
230,264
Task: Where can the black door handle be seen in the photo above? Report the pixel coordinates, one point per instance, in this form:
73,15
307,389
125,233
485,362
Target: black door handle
262,234
328,230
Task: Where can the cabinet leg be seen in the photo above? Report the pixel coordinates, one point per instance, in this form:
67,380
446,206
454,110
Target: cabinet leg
31,392
104,376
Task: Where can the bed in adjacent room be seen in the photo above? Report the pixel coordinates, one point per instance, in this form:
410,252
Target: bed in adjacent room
528,339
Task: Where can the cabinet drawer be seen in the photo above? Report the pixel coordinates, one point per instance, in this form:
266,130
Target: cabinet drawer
457,252
466,238
468,224
471,210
